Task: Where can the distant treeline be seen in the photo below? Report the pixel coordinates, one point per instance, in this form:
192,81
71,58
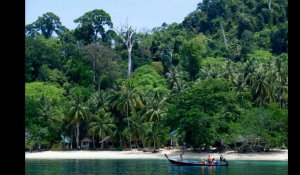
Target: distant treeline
219,78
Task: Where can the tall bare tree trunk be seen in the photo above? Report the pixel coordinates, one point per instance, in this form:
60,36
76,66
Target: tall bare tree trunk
223,34
126,37
129,61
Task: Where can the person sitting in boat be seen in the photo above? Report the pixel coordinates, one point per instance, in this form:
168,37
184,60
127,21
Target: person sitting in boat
203,161
209,159
221,158
213,160
181,158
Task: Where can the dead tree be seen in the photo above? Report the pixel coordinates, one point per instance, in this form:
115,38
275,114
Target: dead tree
126,34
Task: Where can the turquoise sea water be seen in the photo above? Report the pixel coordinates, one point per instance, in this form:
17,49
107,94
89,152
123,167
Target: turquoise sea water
149,167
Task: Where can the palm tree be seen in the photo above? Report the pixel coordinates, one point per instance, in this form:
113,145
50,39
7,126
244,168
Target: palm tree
155,136
240,82
126,100
100,100
174,80
173,77
249,69
261,86
44,113
229,70
155,106
78,113
102,124
138,127
280,78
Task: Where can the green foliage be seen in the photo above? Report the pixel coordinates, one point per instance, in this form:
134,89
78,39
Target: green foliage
58,147
220,75
265,126
192,52
35,90
44,107
213,98
102,124
212,68
158,67
146,78
79,93
92,25
197,128
157,136
45,25
41,51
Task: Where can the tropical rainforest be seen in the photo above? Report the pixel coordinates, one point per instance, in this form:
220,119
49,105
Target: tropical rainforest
217,79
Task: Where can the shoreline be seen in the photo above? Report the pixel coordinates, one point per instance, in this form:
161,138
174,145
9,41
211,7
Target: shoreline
281,155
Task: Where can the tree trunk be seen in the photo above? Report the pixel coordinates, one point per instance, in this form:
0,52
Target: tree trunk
280,94
94,69
77,136
137,144
235,147
102,144
120,140
71,146
94,142
99,81
223,34
129,61
129,129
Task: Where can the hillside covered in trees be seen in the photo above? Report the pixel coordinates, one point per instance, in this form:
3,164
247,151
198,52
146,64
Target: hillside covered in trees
219,78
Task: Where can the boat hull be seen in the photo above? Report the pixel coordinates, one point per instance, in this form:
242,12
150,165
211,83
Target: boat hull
190,163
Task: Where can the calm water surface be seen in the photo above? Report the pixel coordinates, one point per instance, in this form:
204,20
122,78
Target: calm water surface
149,167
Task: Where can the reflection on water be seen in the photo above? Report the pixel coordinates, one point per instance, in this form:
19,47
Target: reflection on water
150,167
201,170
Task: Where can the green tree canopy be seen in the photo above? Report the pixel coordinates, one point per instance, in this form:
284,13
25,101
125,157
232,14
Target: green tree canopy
146,78
92,27
46,25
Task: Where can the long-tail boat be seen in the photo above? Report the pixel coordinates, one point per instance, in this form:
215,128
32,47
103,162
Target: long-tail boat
194,163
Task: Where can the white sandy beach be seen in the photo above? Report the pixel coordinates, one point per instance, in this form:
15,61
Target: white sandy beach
230,155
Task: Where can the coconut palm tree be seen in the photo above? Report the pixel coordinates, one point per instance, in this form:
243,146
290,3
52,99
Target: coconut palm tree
240,82
174,80
262,89
155,106
249,68
138,127
100,100
126,100
102,124
280,78
155,136
78,113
